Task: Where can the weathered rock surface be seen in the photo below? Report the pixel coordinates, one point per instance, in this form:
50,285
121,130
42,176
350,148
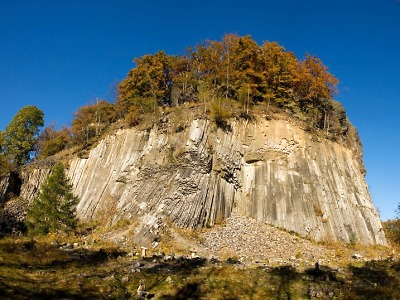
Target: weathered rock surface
10,186
32,177
272,171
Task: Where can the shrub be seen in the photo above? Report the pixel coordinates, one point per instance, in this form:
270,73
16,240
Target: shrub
220,116
392,231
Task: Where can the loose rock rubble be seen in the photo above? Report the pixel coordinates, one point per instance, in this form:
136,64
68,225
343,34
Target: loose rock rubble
249,239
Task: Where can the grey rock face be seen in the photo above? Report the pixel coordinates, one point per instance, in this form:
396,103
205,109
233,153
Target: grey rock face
32,178
10,185
17,190
271,171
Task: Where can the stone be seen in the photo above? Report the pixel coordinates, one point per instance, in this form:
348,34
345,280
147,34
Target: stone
169,279
250,170
298,166
193,253
67,246
141,290
139,264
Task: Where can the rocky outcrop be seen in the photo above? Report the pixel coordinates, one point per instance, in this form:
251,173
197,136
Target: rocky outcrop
272,171
32,177
25,184
17,191
10,186
198,175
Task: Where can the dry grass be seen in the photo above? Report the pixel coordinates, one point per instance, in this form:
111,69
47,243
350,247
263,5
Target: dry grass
343,253
41,269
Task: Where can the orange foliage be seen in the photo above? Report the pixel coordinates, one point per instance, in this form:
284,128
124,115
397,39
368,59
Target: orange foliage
91,120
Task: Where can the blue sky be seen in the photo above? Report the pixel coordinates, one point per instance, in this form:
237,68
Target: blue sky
60,55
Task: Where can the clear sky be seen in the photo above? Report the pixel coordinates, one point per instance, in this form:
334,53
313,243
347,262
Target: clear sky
60,55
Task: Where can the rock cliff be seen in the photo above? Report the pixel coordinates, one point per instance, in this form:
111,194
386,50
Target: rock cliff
17,190
270,170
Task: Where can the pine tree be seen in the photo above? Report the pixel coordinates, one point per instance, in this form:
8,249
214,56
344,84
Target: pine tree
54,209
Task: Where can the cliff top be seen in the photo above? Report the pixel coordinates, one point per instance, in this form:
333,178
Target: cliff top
231,78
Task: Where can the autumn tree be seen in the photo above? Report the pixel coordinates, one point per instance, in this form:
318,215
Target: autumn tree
316,88
4,167
21,135
224,67
392,228
316,82
52,141
150,79
92,120
54,209
183,81
281,73
246,68
208,59
234,68
2,141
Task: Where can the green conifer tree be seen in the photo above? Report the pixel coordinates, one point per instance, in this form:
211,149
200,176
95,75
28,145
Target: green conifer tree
54,209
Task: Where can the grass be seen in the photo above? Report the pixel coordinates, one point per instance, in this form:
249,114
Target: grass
41,269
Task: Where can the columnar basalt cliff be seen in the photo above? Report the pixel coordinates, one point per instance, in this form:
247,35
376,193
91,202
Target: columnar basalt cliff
272,171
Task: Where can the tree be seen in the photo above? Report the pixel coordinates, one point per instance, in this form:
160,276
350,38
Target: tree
52,141
234,68
183,82
246,69
392,228
281,74
92,120
4,166
316,84
208,61
54,209
2,141
150,79
21,135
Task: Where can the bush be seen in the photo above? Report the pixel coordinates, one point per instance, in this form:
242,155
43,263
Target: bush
220,116
392,231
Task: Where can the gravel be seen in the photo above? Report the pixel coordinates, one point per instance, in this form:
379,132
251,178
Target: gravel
249,239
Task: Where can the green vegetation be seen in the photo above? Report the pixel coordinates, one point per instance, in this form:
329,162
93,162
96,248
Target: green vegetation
236,68
54,209
52,141
17,143
234,77
392,229
91,121
4,164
